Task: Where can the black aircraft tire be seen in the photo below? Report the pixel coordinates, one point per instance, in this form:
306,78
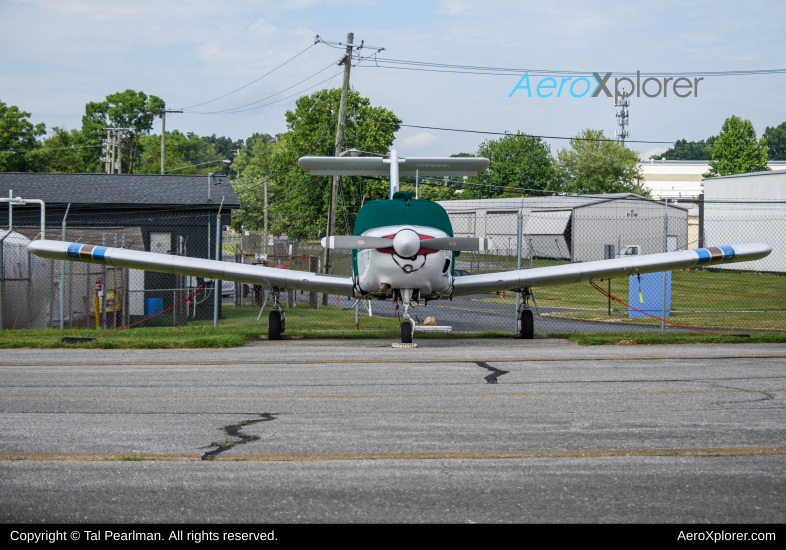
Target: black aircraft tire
527,324
274,326
406,332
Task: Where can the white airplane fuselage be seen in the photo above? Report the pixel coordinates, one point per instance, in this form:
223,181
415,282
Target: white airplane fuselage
426,271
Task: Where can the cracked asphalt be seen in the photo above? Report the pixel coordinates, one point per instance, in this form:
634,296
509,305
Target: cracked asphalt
355,430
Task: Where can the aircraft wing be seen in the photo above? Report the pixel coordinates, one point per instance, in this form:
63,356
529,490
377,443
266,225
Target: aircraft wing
194,267
620,267
378,166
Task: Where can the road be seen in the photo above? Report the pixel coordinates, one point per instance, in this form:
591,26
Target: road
355,430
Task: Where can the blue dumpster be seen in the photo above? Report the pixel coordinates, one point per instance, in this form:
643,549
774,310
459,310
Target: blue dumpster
651,291
154,306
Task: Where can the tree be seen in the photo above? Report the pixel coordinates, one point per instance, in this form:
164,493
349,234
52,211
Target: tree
16,132
776,142
515,161
62,152
298,202
689,150
122,110
182,150
225,148
737,151
595,165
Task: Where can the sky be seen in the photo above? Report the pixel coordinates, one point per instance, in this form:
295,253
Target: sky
58,55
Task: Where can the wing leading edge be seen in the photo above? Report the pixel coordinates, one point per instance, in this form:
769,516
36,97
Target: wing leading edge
194,267
621,267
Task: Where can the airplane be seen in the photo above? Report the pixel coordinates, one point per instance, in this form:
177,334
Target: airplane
403,249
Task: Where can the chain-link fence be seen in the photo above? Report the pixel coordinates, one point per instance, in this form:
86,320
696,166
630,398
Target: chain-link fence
746,296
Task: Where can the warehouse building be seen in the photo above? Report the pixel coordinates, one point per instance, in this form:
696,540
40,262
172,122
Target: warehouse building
578,228
748,208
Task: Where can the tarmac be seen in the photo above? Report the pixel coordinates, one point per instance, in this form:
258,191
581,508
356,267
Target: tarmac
455,430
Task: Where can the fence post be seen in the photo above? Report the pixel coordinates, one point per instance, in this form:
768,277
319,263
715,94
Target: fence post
519,238
216,282
103,289
62,273
124,273
701,221
665,249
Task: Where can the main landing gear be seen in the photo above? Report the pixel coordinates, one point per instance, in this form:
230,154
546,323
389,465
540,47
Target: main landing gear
276,321
526,321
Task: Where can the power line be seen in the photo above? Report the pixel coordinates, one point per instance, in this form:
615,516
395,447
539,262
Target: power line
508,134
503,71
252,82
47,149
241,108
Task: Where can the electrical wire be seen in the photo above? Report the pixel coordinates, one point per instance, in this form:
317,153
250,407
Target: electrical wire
48,149
512,135
241,108
252,82
505,71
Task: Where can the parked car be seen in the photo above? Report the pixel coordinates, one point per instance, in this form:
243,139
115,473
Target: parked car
461,273
228,289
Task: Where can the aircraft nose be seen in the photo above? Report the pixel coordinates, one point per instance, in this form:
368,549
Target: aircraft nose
406,243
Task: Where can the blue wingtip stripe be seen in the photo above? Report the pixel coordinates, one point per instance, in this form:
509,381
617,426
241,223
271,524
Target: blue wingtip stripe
99,253
73,251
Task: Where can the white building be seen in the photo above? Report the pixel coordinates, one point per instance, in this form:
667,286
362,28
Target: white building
748,208
680,178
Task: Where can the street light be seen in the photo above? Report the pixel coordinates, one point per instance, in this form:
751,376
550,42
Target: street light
200,164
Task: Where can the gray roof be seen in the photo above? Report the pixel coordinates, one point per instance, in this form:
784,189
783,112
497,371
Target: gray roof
748,174
545,202
118,190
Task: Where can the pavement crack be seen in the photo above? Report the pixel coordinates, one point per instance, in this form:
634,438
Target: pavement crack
495,372
233,430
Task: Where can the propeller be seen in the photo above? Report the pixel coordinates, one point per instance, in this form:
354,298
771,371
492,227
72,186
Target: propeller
350,242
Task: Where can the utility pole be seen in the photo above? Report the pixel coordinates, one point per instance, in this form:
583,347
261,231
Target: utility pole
162,113
342,112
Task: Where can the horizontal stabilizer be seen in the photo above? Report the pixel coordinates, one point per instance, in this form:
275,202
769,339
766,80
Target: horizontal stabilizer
378,166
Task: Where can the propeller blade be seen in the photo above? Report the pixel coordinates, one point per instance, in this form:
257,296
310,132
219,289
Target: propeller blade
353,242
472,244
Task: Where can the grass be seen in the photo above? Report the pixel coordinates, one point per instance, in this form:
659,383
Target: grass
699,298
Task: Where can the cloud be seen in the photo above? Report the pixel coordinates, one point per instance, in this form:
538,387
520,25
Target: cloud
654,151
419,141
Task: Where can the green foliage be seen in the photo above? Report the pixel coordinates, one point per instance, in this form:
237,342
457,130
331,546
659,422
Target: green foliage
737,151
591,166
298,203
121,110
225,148
182,150
689,150
61,152
16,132
775,139
514,161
